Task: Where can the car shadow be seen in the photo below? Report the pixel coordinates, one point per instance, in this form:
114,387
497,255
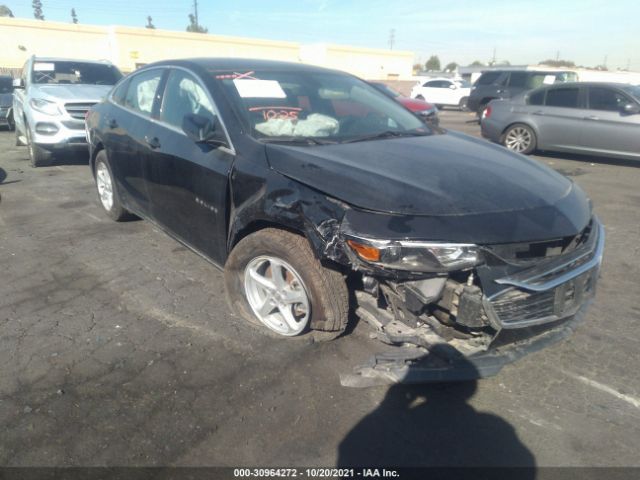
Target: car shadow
433,425
70,158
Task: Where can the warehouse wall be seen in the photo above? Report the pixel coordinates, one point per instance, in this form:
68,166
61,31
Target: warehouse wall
129,47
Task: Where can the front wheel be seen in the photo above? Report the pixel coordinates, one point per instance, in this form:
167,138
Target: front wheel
519,138
272,279
38,156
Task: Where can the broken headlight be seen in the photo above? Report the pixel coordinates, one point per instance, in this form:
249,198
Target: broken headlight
416,256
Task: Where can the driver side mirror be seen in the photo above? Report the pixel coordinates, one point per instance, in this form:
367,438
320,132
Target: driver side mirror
202,129
18,83
631,108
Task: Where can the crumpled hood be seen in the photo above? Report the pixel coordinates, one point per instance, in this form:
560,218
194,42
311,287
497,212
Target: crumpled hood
439,175
6,99
64,93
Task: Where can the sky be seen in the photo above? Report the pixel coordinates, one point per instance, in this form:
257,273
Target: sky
588,32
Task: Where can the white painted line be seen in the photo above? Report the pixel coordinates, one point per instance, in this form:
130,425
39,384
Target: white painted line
631,400
91,215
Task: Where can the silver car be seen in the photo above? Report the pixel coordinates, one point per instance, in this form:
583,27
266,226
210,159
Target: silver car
591,118
51,99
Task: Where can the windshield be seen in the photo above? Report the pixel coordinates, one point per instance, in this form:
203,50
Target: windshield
318,106
6,85
65,72
633,90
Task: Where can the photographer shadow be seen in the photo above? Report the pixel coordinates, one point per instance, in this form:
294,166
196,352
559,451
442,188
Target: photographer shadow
433,425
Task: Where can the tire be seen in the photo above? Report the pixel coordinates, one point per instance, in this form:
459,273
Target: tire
38,156
19,143
419,97
326,292
481,108
462,104
107,193
519,138
438,106
11,124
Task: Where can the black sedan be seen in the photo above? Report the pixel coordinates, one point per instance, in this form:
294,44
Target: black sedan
6,102
319,196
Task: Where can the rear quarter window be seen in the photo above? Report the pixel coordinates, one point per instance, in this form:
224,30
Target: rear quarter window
537,98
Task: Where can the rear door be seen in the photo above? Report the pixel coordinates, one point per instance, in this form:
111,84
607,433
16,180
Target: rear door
607,128
435,91
129,127
188,180
560,119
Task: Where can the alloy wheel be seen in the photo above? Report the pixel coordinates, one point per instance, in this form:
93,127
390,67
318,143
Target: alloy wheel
105,186
277,295
518,139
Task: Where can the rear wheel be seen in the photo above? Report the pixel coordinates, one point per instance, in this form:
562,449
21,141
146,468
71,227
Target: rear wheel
462,104
420,97
10,122
39,156
273,279
520,138
107,193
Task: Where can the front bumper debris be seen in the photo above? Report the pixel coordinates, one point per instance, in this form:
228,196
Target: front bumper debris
526,311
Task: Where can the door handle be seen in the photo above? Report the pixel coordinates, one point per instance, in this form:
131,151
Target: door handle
592,117
112,123
153,142
538,112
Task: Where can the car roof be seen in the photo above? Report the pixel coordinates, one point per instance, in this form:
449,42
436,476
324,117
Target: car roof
586,84
62,59
240,65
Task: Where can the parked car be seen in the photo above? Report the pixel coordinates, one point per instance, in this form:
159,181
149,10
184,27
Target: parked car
504,84
319,195
6,102
443,92
593,118
424,109
51,99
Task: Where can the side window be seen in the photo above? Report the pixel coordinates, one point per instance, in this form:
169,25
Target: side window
433,84
601,98
184,95
562,97
141,91
120,93
537,98
518,79
488,78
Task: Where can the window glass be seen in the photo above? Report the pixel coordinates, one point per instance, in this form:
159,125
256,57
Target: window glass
488,78
312,104
437,84
184,95
6,84
562,97
120,93
537,98
142,91
518,79
601,98
67,72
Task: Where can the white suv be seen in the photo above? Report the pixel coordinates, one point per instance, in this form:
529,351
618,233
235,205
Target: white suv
443,92
51,99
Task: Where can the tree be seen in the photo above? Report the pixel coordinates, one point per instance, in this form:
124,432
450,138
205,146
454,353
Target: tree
74,17
433,64
37,10
5,11
194,26
476,63
558,63
150,23
451,67
417,67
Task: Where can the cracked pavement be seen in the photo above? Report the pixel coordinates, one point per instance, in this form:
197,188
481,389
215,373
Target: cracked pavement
117,348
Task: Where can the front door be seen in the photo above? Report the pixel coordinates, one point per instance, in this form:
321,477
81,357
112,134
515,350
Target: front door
188,181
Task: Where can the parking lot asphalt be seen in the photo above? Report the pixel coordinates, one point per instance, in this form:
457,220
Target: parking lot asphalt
117,348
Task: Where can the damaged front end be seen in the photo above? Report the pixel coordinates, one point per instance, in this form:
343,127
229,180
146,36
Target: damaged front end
461,311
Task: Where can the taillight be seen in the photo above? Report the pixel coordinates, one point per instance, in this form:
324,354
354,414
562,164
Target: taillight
487,112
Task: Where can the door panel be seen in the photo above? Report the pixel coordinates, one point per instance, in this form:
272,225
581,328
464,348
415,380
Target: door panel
187,180
559,121
129,124
606,129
